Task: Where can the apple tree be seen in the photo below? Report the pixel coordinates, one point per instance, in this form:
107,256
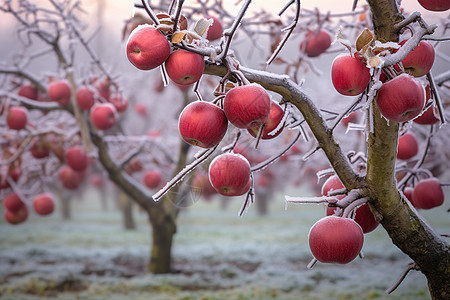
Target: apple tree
391,80
385,69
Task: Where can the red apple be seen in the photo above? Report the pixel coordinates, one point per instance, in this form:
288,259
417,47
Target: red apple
133,166
202,124
85,98
331,184
59,91
103,88
247,106
185,67
120,103
335,240
76,158
215,31
147,47
141,109
363,216
428,117
103,116
408,146
419,61
315,43
401,99
435,5
44,204
229,174
152,179
17,217
39,149
28,91
276,114
13,203
428,194
17,117
69,178
351,118
349,75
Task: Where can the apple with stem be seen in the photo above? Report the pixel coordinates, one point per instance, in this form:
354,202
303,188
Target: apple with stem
275,117
315,43
17,117
185,67
401,99
408,146
349,75
229,174
202,124
335,240
76,158
428,117
59,91
147,47
247,106
419,61
103,116
428,193
44,204
85,98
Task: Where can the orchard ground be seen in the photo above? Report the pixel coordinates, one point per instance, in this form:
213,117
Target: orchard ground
218,255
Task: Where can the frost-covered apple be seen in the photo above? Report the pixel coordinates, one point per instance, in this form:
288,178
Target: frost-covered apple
335,240
229,174
147,47
401,99
247,106
202,124
349,75
185,67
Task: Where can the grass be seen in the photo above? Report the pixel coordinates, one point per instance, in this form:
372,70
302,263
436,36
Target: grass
218,255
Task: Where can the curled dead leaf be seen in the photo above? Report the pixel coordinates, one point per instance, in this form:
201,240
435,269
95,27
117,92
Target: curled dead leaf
364,39
178,36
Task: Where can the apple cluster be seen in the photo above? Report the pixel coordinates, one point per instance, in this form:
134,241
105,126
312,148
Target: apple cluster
426,194
148,48
16,211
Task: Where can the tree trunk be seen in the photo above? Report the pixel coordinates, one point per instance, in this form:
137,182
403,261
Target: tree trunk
163,222
408,231
126,209
64,201
262,202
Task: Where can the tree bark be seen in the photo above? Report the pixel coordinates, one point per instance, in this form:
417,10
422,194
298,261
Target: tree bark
408,231
126,209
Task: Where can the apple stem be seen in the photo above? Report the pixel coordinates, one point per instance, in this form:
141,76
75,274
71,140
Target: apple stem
312,263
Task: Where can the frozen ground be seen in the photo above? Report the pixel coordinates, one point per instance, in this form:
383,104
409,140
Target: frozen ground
218,255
